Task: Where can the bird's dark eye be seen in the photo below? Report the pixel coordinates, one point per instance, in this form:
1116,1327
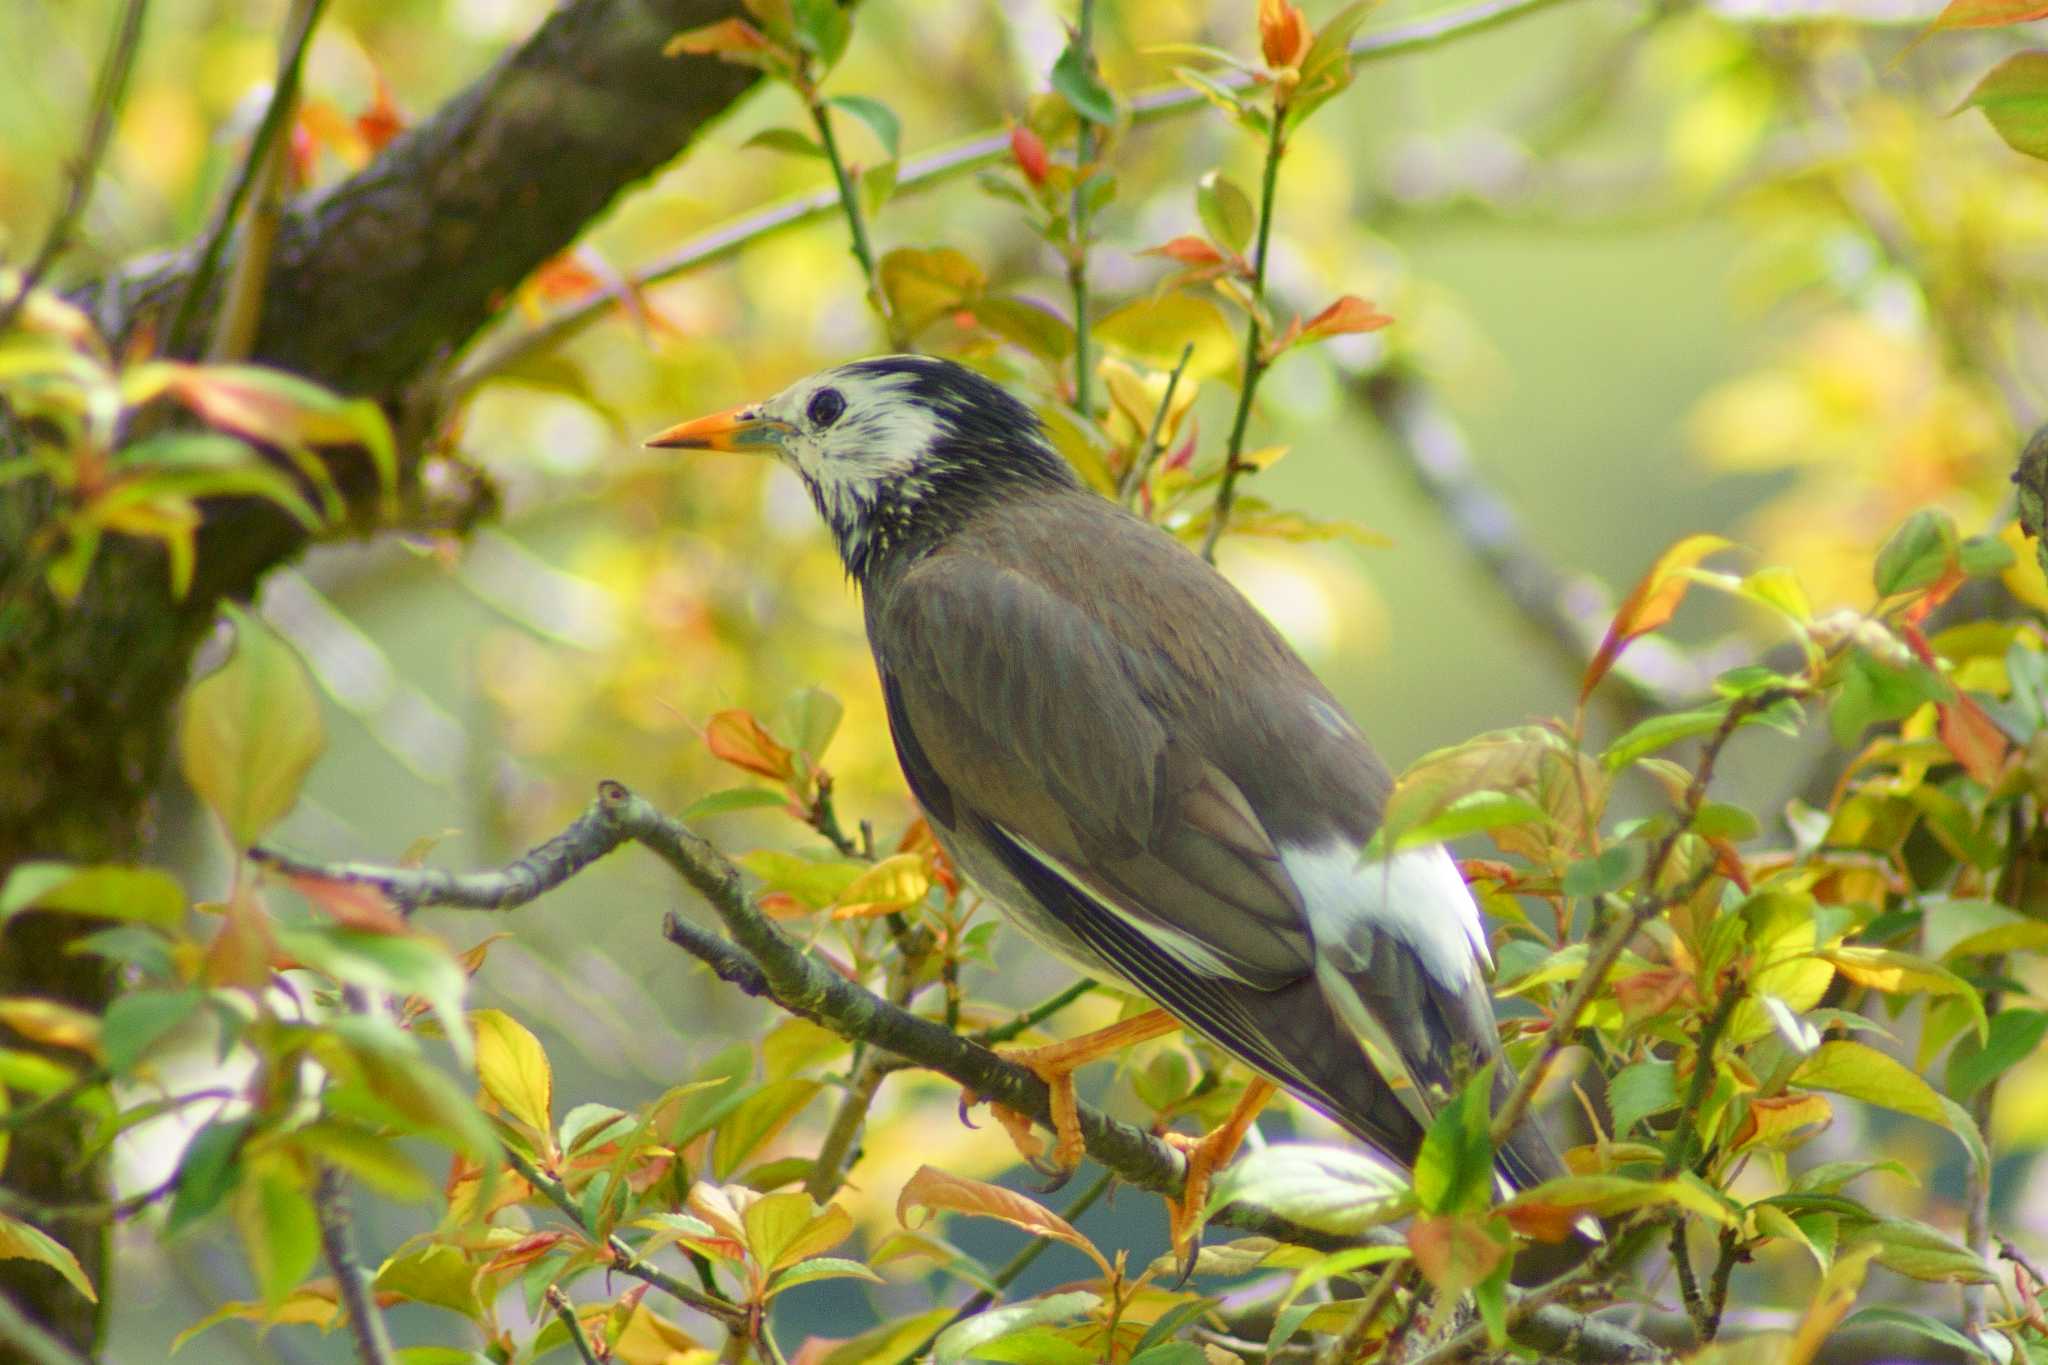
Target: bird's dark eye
826,405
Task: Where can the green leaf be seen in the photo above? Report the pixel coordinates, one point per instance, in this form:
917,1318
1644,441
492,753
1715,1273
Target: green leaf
1862,1072
435,1273
145,895
961,1340
1873,693
759,1117
206,1172
378,1161
1454,1169
399,964
1920,1252
812,718
1076,83
821,1268
1032,326
1917,554
787,140
822,29
1895,1320
1640,1090
21,1241
1225,210
2014,97
879,117
1660,732
735,799
2013,1037
137,1020
1473,813
1608,870
1160,1333
1328,1188
280,1233
251,731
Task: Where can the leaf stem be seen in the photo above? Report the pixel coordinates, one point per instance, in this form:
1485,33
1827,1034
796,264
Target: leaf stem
1077,222
1255,361
109,91
856,220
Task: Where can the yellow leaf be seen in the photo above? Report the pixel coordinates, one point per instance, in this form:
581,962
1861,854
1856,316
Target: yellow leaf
923,286
513,1069
250,732
52,1023
1650,603
23,1242
1897,973
1862,1072
1155,331
895,883
933,1189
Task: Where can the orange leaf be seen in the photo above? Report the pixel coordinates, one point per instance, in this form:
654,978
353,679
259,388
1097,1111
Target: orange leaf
1977,743
1774,1118
1348,314
1283,33
1188,250
381,122
351,903
737,738
1988,14
933,1189
727,35
526,1251
1454,1251
1650,993
1650,603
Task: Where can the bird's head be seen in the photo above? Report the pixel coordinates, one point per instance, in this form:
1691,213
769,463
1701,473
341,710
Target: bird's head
894,450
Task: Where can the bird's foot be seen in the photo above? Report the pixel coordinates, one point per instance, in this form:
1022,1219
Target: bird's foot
1055,1064
1205,1156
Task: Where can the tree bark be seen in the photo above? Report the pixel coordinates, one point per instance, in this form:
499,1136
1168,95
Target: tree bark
372,282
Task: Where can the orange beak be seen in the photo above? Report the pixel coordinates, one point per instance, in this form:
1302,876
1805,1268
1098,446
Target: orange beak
740,428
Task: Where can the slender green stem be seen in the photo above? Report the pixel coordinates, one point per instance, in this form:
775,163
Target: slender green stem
1015,1266
276,117
1141,462
1255,361
566,1313
1678,1151
856,220
109,90
1036,1015
1077,223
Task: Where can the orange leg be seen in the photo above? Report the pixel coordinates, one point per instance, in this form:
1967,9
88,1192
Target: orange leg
1205,1156
1055,1064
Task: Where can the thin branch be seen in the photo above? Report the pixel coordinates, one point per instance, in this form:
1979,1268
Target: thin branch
1647,906
365,1319
1688,1282
34,1342
1356,1343
835,1153
1255,359
625,1259
1036,1015
266,149
983,1299
565,1313
1717,1286
937,167
1678,1150
109,91
1141,462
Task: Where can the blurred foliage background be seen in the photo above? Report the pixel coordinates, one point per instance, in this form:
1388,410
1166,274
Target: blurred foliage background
1671,268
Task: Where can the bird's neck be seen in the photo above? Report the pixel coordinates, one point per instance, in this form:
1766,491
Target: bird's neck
885,531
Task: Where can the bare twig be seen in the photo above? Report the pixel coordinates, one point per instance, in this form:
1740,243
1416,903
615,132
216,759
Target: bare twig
266,148
109,90
565,1313
352,1282
1356,1343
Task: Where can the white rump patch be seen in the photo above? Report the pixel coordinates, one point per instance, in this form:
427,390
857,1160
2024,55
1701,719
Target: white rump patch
1416,896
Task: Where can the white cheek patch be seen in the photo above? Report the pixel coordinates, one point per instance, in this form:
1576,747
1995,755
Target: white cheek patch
880,441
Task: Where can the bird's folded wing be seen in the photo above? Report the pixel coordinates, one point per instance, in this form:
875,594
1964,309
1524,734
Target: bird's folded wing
1034,719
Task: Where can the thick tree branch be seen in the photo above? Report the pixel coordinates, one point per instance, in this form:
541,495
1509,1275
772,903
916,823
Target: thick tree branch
761,960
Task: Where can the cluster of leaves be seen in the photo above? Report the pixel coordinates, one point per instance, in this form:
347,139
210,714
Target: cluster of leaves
133,446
